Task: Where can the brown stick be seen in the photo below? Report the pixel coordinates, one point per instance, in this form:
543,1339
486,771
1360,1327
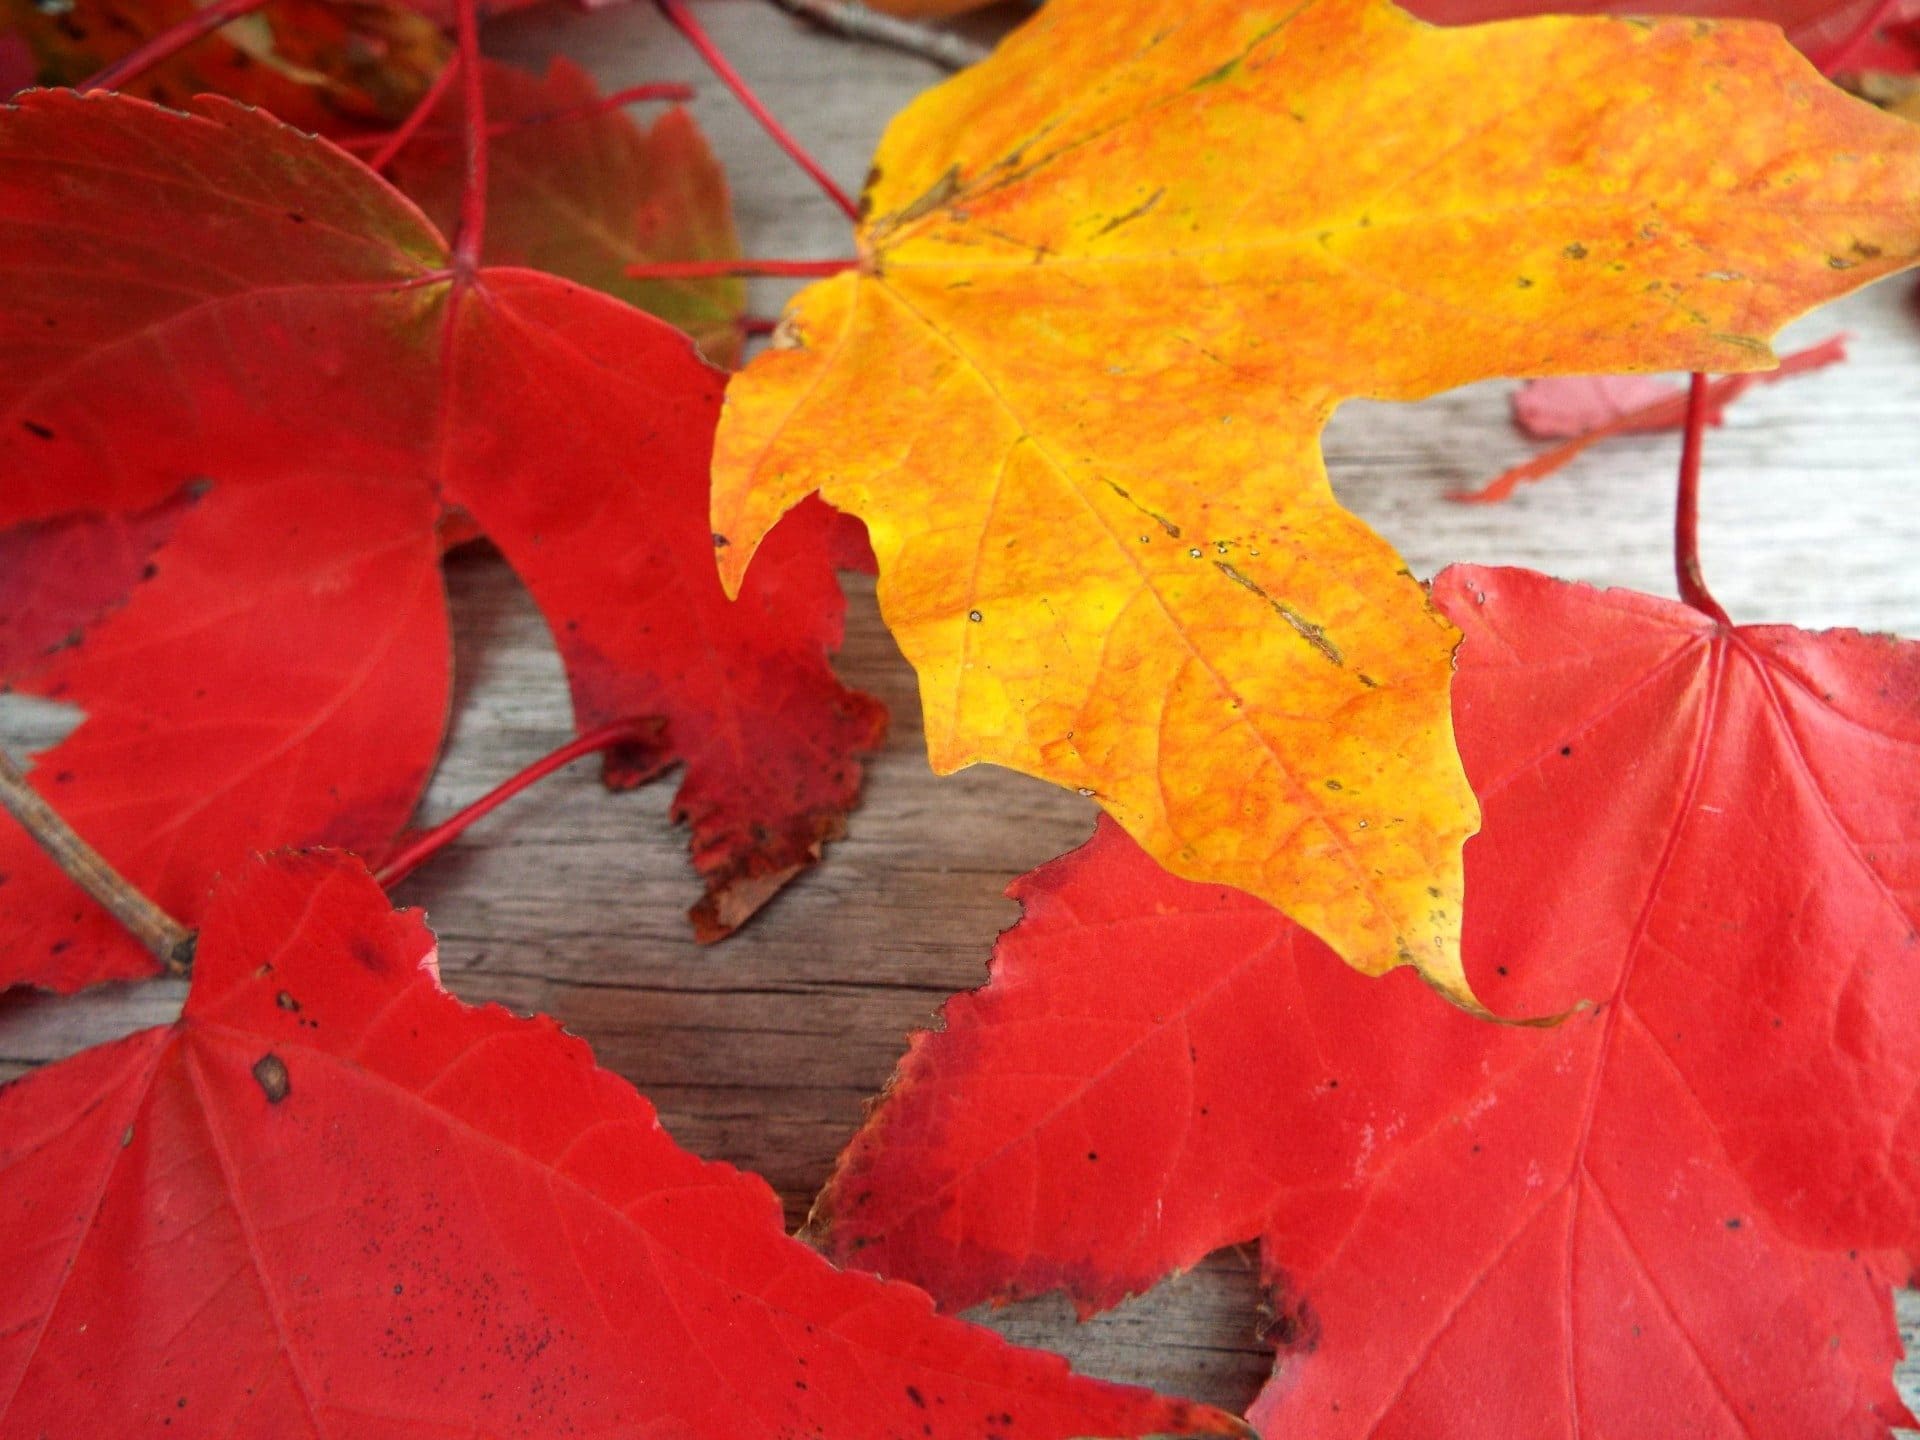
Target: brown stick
855,21
169,940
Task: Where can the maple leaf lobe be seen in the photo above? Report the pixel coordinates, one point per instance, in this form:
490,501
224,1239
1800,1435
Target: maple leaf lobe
1076,387
352,399
514,1246
1695,1192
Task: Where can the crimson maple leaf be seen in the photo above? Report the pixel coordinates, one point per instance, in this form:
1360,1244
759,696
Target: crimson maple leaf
1677,1213
580,190
235,340
1835,34
333,1200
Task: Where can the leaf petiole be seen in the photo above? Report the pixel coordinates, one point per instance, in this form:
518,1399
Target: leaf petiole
396,140
681,18
386,146
1686,510
473,200
167,43
422,847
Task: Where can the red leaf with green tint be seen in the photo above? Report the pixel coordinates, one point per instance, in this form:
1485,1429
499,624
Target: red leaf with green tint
334,66
1677,1213
333,1200
215,306
584,192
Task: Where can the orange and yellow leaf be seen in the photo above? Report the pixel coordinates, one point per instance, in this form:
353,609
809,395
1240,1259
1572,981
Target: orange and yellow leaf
1113,282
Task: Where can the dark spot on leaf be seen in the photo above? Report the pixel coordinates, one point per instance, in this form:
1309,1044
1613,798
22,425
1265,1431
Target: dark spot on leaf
271,1071
1575,251
974,616
286,1001
1566,749
720,542
35,429
368,954
1734,1223
913,1394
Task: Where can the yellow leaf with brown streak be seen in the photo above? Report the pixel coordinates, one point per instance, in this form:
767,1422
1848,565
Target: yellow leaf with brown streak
1114,280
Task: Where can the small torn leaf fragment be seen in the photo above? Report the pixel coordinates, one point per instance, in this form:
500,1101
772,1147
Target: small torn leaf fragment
585,196
284,339
1583,410
1677,1213
377,1211
1112,283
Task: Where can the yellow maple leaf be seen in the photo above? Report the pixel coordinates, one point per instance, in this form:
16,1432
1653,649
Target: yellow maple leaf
1113,282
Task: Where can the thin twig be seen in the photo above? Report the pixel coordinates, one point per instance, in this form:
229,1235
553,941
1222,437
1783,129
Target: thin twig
1686,510
681,18
166,938
168,43
732,269
428,843
855,21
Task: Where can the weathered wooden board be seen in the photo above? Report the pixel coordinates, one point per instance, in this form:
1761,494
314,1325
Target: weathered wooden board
763,1050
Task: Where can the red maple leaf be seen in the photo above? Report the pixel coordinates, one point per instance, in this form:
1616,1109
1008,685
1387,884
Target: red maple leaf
333,1200
213,306
577,188
1837,35
1677,1213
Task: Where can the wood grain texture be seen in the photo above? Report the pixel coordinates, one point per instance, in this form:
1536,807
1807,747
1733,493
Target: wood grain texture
763,1050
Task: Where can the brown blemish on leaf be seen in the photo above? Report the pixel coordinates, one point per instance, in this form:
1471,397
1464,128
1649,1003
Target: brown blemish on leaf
931,199
271,1073
1313,634
1134,214
1154,515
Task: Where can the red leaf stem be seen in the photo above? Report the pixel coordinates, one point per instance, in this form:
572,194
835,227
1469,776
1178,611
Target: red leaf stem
395,140
1686,510
473,202
391,142
681,18
423,846
168,42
